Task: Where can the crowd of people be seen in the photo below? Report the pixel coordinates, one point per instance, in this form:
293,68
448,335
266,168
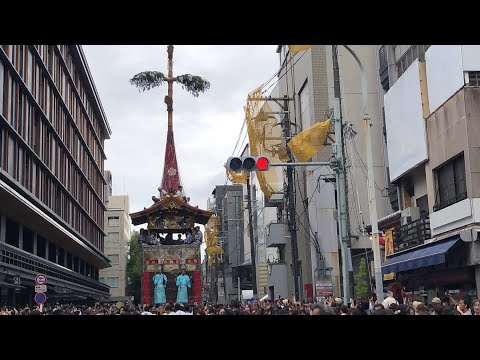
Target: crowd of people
331,306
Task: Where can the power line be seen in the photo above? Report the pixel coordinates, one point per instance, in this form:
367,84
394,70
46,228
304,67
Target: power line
238,139
241,146
351,174
364,166
286,71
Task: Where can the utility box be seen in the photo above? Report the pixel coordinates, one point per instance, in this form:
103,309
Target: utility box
276,234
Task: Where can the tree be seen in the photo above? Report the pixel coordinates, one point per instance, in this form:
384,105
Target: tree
134,268
147,80
361,281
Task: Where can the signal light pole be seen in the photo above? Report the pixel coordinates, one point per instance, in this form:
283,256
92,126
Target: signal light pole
253,253
249,164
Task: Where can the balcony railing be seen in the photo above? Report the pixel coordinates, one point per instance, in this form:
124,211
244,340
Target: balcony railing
411,234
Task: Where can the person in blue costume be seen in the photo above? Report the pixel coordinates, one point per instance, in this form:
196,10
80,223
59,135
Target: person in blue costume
183,281
160,281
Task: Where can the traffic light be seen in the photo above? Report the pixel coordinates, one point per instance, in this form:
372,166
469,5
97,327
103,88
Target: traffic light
248,163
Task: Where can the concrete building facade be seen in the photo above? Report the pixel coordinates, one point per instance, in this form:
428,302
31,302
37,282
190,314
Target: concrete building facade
117,228
227,203
432,122
307,79
52,133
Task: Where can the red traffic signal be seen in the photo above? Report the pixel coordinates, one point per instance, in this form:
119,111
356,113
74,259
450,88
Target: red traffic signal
263,163
248,163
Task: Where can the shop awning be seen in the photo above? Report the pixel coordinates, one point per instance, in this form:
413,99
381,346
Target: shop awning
423,256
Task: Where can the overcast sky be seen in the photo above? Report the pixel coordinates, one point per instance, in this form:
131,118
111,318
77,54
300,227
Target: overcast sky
205,128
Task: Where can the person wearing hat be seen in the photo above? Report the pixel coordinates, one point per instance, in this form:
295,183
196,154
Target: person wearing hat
436,300
183,282
160,281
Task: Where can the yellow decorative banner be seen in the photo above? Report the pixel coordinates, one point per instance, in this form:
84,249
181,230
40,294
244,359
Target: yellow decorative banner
236,177
265,138
389,250
297,48
309,141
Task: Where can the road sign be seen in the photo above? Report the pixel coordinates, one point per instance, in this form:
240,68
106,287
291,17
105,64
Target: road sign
40,298
40,279
40,288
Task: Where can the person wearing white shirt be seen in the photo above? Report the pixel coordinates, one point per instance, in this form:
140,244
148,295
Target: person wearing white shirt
161,192
180,191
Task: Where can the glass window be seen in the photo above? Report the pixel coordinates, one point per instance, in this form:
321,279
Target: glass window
69,261
11,232
114,258
113,282
113,221
113,237
52,252
451,186
61,257
41,246
27,240
11,157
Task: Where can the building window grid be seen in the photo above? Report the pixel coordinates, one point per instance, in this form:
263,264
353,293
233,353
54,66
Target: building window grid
79,128
474,78
382,56
414,52
93,121
16,154
42,152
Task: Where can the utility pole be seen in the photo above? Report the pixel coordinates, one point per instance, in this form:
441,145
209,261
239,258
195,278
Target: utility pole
252,240
291,202
342,199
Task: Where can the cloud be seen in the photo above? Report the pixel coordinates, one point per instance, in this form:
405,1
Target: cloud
206,128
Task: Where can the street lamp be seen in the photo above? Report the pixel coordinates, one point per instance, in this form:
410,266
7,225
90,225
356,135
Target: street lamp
372,205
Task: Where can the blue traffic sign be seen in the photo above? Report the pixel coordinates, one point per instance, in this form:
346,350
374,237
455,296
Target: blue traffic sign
40,279
40,298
